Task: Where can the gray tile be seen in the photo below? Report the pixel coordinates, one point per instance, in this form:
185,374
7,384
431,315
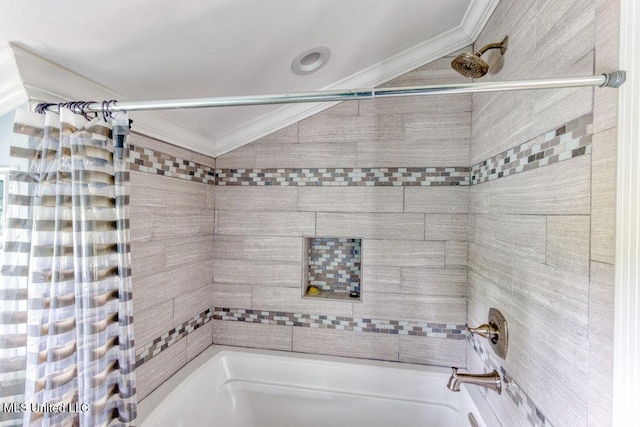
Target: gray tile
157,191
258,248
456,254
601,310
189,250
446,227
287,135
231,295
256,198
332,129
199,340
210,198
178,223
381,279
436,200
203,160
521,235
448,126
250,272
242,157
492,264
607,36
427,105
568,243
157,370
402,253
189,305
153,322
312,155
553,108
147,258
266,223
559,189
290,299
603,197
413,152
154,144
350,199
411,307
371,225
433,281
345,343
255,335
432,351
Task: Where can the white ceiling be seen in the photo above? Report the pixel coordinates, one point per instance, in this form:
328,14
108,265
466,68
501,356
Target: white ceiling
142,50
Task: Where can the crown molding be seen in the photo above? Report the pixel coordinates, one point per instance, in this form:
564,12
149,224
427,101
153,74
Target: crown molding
36,79
12,91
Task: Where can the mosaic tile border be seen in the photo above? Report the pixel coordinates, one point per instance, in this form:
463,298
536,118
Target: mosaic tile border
564,143
398,327
426,176
523,402
146,160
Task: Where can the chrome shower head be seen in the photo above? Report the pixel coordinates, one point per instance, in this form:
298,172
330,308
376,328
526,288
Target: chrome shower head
471,65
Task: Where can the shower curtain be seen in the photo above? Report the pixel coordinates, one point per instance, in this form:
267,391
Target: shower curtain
66,330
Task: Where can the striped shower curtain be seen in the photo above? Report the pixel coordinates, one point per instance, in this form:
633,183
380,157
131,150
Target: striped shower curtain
66,332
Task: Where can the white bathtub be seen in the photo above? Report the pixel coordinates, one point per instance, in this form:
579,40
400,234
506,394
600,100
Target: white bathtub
231,386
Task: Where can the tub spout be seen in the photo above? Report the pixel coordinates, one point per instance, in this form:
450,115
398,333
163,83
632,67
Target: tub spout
491,381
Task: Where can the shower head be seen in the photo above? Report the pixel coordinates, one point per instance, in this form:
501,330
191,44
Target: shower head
471,65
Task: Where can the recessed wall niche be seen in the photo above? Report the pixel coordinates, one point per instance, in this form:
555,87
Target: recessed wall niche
332,268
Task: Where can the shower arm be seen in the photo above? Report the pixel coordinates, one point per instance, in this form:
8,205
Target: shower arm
614,80
488,47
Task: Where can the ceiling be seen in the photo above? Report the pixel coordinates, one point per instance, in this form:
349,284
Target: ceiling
141,50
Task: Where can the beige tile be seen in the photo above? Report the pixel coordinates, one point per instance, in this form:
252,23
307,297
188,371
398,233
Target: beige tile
231,296
266,223
210,197
290,300
365,345
191,304
456,253
442,126
446,227
315,155
350,199
199,340
436,200
258,248
250,272
492,264
371,225
256,198
203,160
559,189
402,253
181,222
140,226
157,370
553,108
157,191
427,105
255,335
158,288
381,279
479,202
153,322
147,258
433,281
603,197
287,135
433,351
242,157
411,307
553,296
568,243
332,129
189,250
521,235
413,152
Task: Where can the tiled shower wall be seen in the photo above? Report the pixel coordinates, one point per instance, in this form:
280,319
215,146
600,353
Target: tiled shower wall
541,245
392,172
172,253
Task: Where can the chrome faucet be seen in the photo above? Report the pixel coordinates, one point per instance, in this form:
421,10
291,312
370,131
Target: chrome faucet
491,381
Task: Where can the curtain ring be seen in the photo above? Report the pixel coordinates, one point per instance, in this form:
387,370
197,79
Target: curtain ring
104,110
82,106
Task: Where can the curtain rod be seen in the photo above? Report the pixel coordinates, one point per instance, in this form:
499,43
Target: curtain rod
614,80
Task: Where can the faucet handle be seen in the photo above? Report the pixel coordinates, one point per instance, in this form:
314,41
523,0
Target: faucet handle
485,330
